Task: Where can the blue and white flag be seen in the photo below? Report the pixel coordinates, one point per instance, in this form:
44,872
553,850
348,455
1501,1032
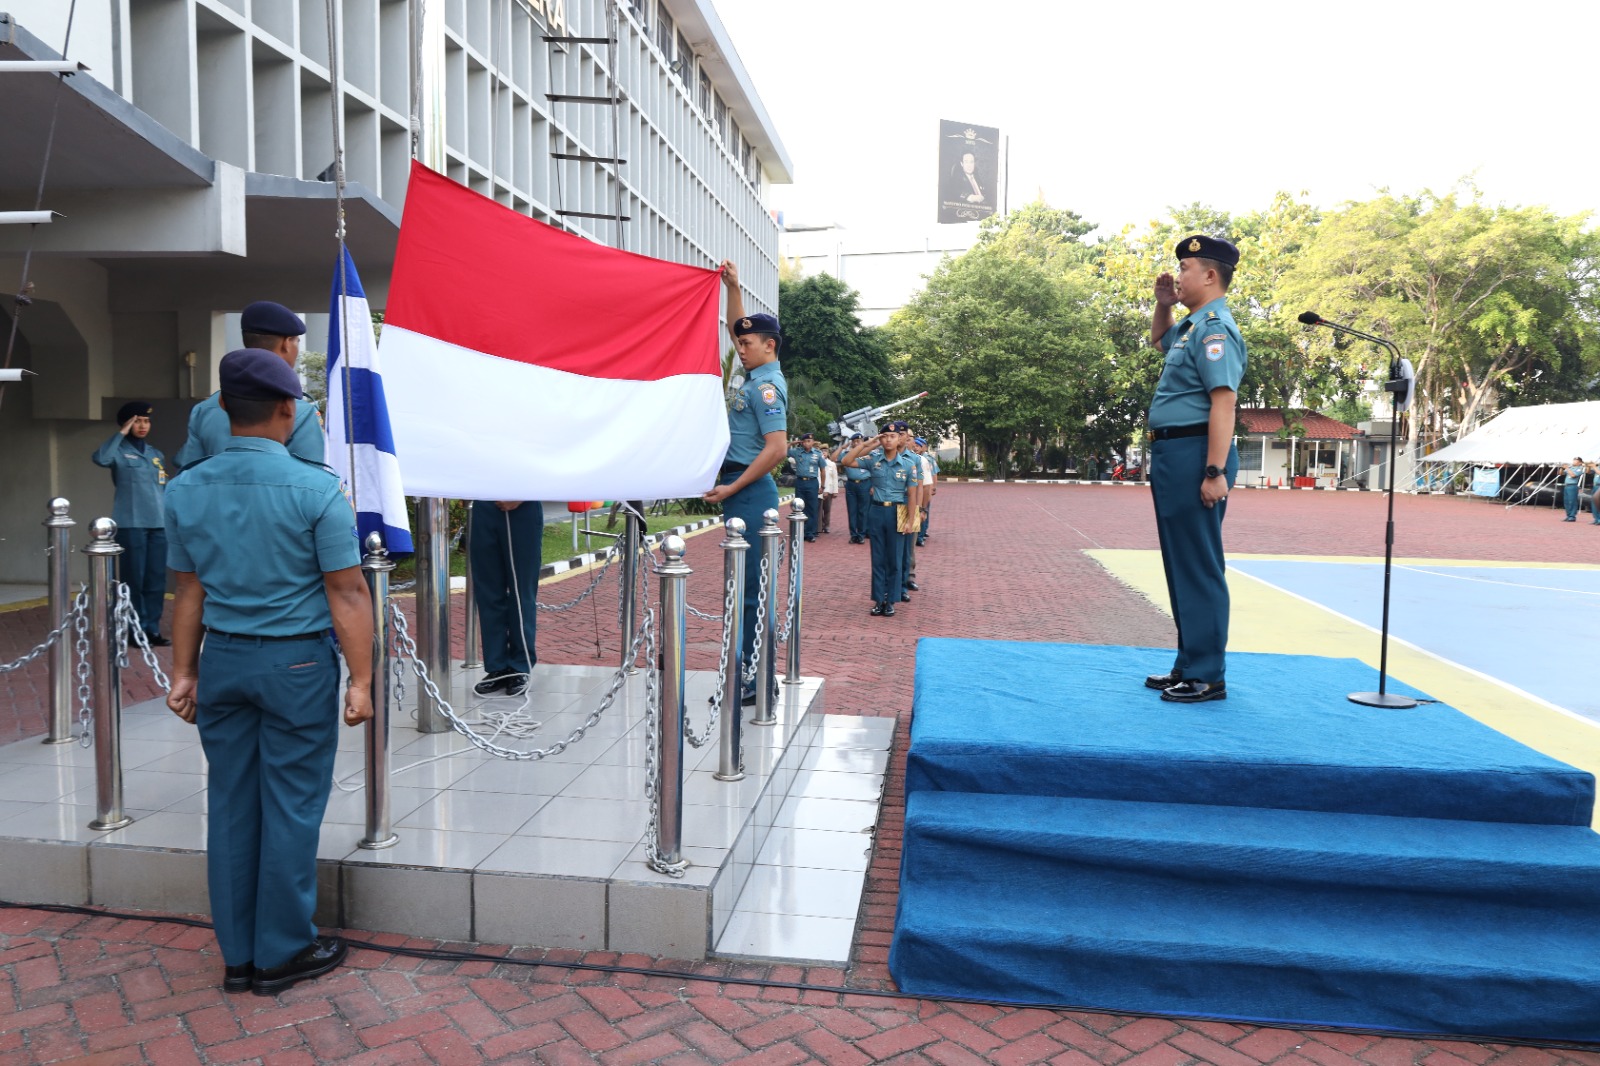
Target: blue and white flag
360,445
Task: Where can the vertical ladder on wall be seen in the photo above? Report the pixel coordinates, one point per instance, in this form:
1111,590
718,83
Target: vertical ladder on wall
613,99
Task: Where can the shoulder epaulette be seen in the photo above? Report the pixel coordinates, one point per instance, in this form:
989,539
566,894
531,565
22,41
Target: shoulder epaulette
185,468
315,463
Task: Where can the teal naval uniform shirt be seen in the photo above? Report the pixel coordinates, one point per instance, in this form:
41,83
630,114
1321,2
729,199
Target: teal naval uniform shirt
139,476
808,485
1205,351
209,432
889,479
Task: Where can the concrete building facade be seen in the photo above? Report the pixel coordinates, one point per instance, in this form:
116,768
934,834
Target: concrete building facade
190,167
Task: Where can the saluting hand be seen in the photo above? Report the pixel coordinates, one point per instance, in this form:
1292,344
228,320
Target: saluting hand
1166,291
357,704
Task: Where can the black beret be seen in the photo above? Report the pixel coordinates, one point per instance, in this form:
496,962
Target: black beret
257,374
133,409
757,324
274,320
1202,247
807,436
899,427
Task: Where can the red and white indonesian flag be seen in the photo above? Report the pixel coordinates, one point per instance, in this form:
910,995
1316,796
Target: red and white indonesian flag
523,363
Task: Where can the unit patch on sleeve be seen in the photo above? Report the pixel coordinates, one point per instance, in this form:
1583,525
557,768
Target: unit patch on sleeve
769,394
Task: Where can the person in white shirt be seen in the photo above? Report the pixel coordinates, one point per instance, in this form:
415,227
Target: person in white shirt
830,489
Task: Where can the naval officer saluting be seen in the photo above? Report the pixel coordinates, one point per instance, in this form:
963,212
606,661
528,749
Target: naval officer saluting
758,437
264,547
808,480
1193,460
273,328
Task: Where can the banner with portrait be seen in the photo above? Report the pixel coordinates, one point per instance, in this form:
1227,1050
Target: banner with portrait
969,171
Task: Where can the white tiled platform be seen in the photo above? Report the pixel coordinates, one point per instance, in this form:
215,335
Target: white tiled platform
549,853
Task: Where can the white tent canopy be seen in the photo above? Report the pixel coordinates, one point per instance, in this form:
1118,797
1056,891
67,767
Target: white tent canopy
1535,436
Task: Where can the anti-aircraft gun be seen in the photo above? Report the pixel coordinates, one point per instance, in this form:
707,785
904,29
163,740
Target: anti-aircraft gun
865,420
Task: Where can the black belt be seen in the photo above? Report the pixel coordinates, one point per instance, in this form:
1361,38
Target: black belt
318,635
1199,429
734,468
881,503
805,479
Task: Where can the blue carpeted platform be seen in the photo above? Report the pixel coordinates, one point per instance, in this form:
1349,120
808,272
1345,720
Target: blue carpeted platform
1075,720
1072,840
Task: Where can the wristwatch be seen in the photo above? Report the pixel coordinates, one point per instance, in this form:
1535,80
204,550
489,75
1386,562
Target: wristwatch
1213,471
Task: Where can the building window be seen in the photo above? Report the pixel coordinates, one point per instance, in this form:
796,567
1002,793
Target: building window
703,98
1250,453
684,60
719,116
664,32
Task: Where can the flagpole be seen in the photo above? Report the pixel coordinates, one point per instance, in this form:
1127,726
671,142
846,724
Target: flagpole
335,64
433,515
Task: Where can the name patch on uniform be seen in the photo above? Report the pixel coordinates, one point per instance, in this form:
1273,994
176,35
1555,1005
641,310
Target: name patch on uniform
774,410
769,394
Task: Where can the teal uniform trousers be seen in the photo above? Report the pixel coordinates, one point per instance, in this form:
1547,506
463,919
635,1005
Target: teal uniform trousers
749,503
268,725
1191,549
503,541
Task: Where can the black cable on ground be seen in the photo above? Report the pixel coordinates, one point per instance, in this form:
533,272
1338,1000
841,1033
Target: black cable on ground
446,955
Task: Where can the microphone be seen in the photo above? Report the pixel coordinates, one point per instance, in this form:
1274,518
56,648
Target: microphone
1310,318
1401,377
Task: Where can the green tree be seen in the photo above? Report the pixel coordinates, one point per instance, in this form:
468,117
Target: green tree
1477,296
825,342
1005,341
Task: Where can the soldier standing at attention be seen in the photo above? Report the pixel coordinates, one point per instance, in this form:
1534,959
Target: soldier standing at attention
758,439
894,474
264,689
808,480
1193,461
139,474
273,328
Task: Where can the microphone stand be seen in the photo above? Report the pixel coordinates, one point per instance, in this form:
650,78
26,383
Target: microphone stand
1396,386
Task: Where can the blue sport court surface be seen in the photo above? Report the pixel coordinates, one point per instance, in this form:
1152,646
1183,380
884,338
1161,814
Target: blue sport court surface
1530,627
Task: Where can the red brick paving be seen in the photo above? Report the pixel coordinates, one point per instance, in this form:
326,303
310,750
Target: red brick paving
1005,562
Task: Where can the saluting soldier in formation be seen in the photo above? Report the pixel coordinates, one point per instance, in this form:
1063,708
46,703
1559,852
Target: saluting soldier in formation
139,474
857,490
264,687
758,439
893,473
808,480
1193,461
273,328
930,472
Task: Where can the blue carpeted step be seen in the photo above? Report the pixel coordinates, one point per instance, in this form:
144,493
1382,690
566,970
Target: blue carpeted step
1075,720
1279,916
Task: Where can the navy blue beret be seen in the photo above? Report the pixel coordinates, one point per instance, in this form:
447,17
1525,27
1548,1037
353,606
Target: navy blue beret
133,409
807,436
257,374
274,320
899,427
921,442
1202,247
757,324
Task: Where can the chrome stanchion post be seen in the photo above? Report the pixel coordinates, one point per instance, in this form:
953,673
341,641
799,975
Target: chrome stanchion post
376,566
767,661
433,607
630,583
103,551
734,550
669,739
473,657
58,546
797,551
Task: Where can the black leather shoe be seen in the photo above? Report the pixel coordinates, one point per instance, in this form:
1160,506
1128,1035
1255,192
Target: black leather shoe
158,641
747,697
491,684
912,586
317,958
888,610
236,979
516,684
810,539
879,608
1159,681
904,598
1195,692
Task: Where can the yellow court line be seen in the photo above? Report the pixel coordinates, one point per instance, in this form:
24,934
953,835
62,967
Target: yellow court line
1266,618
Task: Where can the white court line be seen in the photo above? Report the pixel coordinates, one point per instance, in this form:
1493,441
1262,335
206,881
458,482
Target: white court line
1492,581
1513,689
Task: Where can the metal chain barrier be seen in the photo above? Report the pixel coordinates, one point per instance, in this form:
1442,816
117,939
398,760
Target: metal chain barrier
652,726
50,639
611,556
722,671
80,610
748,676
786,620
408,651
128,624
